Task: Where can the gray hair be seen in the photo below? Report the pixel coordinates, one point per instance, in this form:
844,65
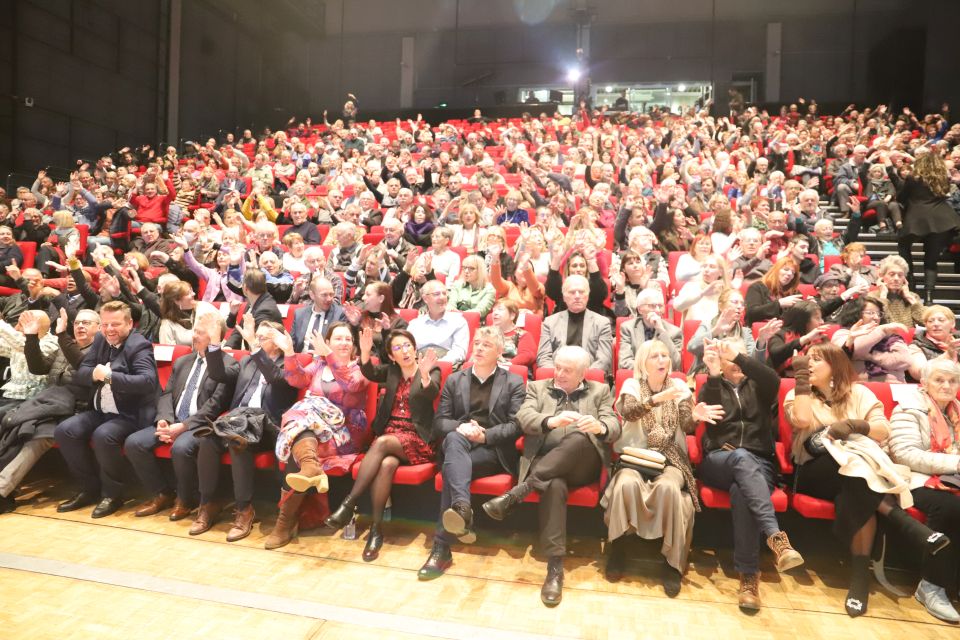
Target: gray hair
576,354
492,333
941,365
570,280
893,261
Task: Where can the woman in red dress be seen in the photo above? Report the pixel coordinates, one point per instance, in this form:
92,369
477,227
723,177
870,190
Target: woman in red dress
403,426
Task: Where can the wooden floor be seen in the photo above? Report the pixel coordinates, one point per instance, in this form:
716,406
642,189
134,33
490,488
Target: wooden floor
126,577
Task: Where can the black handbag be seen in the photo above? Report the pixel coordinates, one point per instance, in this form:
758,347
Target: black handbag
814,443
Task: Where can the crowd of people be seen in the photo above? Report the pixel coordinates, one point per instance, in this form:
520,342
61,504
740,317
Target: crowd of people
422,262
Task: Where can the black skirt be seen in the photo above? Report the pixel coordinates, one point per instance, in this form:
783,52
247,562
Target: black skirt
854,501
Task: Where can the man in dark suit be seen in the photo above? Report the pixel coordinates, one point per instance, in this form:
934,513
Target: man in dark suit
121,373
261,391
315,318
477,420
260,305
192,399
568,424
232,182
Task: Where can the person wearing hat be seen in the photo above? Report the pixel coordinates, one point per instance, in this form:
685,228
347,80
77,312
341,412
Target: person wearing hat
830,298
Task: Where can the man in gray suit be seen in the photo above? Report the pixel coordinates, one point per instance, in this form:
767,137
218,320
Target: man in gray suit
476,419
316,317
568,425
649,325
577,326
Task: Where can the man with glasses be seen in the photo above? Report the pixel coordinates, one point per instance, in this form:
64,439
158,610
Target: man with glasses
315,318
26,437
446,332
649,325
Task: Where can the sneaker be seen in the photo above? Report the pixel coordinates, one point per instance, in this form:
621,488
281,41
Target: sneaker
937,603
787,556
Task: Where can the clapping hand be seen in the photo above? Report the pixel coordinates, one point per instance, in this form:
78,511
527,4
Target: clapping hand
670,394
366,342
427,361
589,424
247,329
563,419
29,324
100,372
62,321
710,413
319,345
283,341
353,313
769,329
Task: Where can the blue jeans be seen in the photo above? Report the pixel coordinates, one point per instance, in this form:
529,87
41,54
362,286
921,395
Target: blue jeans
749,480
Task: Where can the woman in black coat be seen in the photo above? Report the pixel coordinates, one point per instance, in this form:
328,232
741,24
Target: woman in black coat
403,426
927,217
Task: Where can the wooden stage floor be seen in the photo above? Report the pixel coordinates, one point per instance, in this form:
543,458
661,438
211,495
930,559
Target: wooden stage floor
66,576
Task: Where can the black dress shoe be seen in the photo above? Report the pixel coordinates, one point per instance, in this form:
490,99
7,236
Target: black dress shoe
501,506
552,590
374,542
616,561
107,506
437,562
7,504
79,501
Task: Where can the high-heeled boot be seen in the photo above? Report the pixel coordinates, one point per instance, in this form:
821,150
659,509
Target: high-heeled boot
344,513
311,474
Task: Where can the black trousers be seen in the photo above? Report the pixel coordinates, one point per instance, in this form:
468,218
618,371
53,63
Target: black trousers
855,502
209,468
943,514
933,246
573,463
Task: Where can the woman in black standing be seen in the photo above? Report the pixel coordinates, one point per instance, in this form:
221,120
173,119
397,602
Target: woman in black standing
928,218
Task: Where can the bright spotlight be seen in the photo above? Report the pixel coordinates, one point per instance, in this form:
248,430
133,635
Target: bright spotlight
681,87
609,88
573,75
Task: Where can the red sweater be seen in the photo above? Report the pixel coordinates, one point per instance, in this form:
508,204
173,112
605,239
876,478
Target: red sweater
153,209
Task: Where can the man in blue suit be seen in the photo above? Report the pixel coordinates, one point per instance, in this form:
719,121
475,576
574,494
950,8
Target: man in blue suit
121,373
316,317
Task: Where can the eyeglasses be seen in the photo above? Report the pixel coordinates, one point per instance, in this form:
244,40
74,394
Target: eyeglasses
468,269
403,346
85,322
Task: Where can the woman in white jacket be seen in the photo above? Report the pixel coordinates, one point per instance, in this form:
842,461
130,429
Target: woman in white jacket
925,436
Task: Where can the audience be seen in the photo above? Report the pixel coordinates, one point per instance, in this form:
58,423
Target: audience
520,219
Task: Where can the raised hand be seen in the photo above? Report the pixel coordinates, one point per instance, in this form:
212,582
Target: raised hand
768,330
62,321
789,301
283,341
247,329
427,361
29,324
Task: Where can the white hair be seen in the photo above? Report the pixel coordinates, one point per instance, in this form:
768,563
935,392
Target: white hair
572,352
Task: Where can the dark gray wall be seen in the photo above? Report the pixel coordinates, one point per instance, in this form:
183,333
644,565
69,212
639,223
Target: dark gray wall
827,51
93,69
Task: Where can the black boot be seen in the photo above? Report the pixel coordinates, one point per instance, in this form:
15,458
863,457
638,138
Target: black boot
929,284
616,559
437,562
374,542
552,589
920,534
856,602
344,513
671,579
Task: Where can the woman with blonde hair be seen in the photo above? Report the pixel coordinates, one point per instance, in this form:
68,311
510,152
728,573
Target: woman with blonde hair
699,299
471,291
658,412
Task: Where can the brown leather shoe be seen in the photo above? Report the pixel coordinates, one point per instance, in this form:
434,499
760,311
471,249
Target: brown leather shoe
748,595
287,521
242,524
154,505
180,510
206,518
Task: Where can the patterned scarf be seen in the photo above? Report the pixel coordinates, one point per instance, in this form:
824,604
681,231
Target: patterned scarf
944,425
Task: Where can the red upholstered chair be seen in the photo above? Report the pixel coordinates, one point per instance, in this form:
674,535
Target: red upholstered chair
29,251
166,355
715,498
686,358
546,373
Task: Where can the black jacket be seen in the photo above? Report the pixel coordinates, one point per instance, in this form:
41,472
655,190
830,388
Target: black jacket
213,397
134,380
506,396
265,308
421,398
748,421
278,396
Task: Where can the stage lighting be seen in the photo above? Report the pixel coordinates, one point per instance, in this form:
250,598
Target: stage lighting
608,88
681,87
573,75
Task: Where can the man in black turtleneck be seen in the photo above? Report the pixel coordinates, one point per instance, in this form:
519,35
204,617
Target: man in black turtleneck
577,326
